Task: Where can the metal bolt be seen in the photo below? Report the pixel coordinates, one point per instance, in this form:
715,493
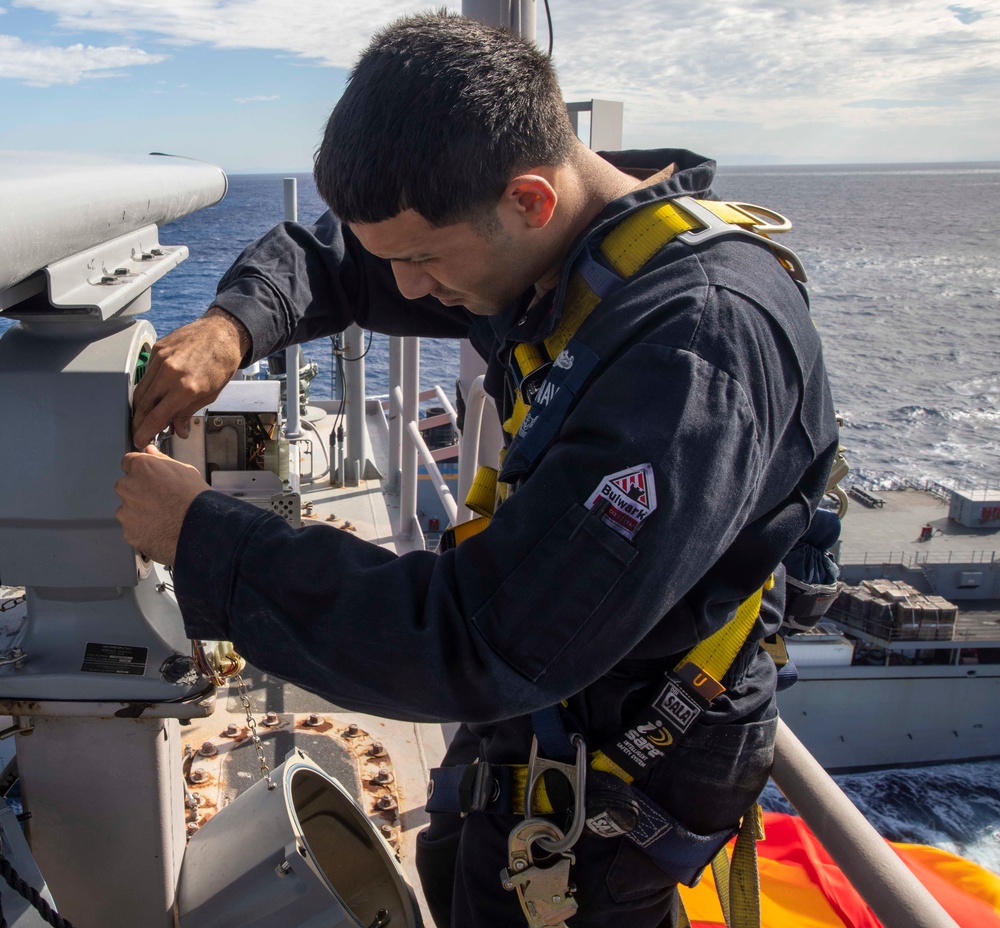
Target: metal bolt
107,279
121,272
283,869
270,720
232,730
386,831
157,252
383,776
208,749
385,803
377,749
192,827
520,864
199,775
217,422
314,720
557,899
308,508
352,731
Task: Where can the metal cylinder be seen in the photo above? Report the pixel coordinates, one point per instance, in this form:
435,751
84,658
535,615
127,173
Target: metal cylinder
303,853
517,15
895,895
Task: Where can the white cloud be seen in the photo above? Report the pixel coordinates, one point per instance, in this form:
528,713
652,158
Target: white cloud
766,65
45,65
329,32
261,99
773,64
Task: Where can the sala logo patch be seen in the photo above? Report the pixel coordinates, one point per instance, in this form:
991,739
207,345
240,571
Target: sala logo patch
625,499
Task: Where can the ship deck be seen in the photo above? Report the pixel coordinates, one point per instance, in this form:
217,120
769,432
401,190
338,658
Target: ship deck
885,541
885,533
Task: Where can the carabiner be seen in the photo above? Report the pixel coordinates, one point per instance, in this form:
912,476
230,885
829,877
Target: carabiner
576,775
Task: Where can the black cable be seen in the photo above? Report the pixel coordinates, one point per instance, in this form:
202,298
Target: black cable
548,20
32,895
368,348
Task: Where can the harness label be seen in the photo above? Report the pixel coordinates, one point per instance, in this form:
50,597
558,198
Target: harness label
679,708
625,499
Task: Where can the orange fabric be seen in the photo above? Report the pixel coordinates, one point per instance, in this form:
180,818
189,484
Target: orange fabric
801,886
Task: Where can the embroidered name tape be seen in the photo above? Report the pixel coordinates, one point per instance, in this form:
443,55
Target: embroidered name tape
626,499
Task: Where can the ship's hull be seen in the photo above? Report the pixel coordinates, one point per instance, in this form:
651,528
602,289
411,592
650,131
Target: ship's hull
864,717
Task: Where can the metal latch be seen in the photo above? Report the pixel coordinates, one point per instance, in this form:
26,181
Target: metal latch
543,887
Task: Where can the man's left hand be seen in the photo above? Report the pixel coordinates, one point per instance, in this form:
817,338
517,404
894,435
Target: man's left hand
156,493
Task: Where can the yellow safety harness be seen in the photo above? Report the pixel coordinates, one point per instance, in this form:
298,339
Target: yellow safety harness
625,249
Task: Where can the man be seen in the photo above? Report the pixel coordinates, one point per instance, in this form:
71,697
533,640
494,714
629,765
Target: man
677,470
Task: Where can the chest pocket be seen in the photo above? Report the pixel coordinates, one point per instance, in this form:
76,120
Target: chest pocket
589,559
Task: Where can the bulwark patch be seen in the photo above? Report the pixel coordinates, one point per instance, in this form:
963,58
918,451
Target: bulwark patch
626,499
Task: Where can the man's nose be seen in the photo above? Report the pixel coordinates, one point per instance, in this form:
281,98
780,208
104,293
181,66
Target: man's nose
413,282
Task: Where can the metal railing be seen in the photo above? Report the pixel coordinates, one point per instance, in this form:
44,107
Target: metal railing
917,559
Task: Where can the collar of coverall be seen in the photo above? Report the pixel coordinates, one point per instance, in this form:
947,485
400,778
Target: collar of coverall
664,173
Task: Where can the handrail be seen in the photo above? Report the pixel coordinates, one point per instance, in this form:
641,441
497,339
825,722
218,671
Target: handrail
930,558
444,494
896,896
448,408
468,444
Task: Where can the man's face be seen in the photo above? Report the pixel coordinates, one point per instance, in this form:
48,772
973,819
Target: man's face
457,264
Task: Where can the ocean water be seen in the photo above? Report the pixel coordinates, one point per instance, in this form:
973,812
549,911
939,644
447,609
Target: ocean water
905,290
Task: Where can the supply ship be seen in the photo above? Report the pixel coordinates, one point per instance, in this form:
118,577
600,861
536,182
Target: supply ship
904,668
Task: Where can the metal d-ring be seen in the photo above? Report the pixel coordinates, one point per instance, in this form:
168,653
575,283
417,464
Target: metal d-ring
576,775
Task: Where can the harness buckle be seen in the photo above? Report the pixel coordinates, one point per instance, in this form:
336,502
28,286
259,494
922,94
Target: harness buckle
714,227
478,788
543,889
576,775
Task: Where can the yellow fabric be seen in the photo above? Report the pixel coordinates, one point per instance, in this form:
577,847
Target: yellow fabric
529,357
600,761
481,498
744,879
626,248
716,653
512,424
540,805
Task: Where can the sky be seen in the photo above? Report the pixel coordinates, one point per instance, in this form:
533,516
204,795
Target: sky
248,84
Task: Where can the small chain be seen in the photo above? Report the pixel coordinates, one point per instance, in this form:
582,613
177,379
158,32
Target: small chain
265,771
11,603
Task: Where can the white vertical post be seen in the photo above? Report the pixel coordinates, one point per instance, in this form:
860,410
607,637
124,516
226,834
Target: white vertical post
356,454
293,353
410,413
520,17
395,412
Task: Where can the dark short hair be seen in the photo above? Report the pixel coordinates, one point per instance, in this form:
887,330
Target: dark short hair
439,114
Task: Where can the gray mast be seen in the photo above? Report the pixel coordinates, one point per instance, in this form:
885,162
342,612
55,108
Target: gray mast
516,15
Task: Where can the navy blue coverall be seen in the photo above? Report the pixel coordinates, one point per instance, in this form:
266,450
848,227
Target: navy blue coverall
711,374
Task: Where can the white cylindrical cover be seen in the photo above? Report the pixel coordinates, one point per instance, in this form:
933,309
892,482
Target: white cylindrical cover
56,204
302,854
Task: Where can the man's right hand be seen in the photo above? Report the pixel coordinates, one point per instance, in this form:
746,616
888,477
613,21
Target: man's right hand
187,369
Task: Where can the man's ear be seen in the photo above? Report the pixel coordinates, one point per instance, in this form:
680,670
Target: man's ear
530,199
